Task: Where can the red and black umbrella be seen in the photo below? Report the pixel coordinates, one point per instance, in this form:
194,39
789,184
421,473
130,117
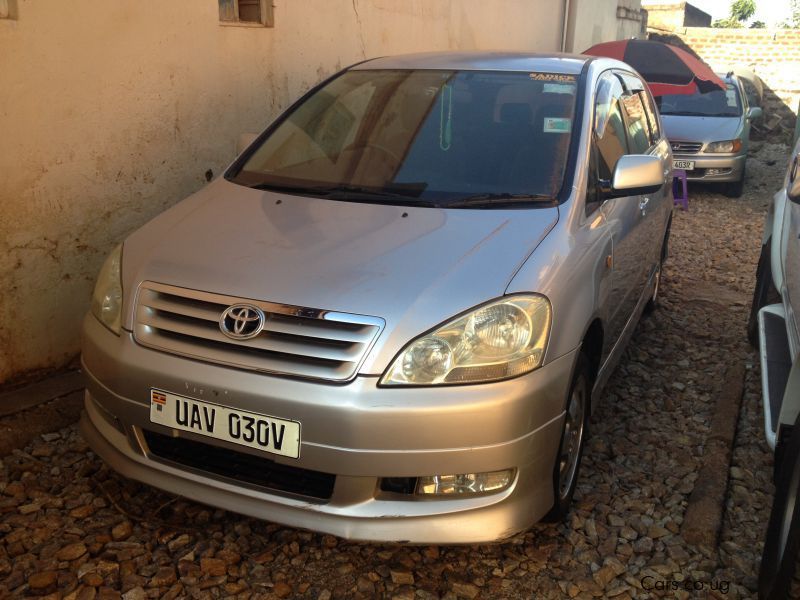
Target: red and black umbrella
666,69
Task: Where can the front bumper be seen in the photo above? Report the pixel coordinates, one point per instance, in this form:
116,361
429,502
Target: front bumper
728,167
358,432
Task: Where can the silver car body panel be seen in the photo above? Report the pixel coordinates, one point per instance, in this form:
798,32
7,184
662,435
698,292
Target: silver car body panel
413,268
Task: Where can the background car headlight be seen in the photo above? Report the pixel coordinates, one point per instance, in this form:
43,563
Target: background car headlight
107,297
498,340
727,146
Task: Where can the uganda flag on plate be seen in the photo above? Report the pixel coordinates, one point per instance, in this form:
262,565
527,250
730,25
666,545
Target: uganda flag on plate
159,399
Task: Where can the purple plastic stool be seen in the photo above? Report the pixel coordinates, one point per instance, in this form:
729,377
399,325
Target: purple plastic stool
680,189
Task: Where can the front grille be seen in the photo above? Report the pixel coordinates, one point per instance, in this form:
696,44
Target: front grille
302,342
240,467
686,147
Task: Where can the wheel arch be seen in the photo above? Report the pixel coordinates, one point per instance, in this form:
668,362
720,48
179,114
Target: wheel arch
592,346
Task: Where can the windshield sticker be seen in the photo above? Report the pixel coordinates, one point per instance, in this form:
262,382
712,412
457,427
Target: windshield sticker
559,88
557,125
554,77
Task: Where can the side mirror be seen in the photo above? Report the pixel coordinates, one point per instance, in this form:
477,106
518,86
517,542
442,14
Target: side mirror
755,113
245,139
637,174
793,187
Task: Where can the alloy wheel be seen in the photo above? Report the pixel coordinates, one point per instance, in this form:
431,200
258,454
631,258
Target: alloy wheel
569,453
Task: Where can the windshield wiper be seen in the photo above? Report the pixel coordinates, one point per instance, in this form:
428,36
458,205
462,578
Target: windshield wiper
354,193
479,200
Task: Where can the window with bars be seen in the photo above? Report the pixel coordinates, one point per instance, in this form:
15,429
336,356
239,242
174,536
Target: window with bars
257,13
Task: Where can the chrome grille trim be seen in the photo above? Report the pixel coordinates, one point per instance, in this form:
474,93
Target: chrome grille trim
686,147
295,341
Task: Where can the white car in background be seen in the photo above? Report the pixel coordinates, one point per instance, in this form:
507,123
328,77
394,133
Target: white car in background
775,328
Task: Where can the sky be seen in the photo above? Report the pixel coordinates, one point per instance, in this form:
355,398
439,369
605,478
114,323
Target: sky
772,12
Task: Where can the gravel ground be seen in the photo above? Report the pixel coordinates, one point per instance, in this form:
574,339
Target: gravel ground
70,527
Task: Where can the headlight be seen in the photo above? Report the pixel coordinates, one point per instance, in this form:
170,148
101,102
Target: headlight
107,297
498,340
726,147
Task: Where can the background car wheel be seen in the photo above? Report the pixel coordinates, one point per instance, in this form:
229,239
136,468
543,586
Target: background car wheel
764,292
735,188
573,437
778,562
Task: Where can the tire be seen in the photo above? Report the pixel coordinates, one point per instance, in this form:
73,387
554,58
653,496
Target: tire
764,292
735,188
779,560
573,439
784,435
652,303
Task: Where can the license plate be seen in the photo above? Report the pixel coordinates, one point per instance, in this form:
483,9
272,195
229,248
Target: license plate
263,432
686,165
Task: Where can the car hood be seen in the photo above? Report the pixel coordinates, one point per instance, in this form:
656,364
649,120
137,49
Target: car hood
414,267
701,129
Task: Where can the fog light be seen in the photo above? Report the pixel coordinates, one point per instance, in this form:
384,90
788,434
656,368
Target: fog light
466,483
717,171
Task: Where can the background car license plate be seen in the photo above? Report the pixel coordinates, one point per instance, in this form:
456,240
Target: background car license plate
270,434
686,165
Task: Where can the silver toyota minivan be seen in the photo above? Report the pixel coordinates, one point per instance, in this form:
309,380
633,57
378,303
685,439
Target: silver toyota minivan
710,134
391,317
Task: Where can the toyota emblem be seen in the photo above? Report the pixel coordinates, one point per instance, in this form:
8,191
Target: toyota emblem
242,321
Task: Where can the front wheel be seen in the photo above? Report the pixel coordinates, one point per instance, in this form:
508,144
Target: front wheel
573,436
781,545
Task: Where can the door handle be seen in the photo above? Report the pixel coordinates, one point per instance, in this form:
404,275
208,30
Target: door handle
643,205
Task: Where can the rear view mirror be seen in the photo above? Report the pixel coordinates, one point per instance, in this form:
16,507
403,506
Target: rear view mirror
637,174
245,139
754,113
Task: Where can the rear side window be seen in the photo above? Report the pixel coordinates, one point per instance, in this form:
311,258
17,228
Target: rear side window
637,127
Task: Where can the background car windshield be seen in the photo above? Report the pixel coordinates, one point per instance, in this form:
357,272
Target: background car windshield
423,136
712,104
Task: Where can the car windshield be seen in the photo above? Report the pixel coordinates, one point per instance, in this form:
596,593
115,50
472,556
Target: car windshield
427,137
711,104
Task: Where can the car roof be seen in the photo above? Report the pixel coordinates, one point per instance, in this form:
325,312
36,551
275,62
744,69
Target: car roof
566,64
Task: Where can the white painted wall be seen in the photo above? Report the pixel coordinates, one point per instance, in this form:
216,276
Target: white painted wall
112,111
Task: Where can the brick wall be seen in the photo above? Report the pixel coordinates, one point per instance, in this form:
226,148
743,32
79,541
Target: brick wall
773,54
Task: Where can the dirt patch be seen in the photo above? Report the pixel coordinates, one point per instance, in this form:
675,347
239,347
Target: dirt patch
22,427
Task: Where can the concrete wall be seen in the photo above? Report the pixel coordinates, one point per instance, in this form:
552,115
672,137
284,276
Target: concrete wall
631,20
112,111
669,17
596,21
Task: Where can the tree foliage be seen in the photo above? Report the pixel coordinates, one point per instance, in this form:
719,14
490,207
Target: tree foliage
741,11
794,19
